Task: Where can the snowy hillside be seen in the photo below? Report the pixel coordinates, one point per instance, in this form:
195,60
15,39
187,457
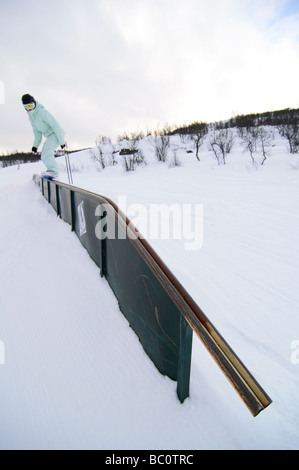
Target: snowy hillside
74,374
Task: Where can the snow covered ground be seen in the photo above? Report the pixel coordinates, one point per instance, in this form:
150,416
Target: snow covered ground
73,374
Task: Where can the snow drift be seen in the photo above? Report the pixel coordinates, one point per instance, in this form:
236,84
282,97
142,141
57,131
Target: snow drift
74,374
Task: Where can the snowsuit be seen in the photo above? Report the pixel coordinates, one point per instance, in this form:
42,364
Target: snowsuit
44,124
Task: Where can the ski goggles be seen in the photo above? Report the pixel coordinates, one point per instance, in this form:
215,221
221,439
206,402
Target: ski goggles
29,106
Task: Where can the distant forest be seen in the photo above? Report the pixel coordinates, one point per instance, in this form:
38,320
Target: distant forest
284,117
17,158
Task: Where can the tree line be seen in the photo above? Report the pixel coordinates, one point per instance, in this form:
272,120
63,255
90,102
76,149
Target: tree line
17,158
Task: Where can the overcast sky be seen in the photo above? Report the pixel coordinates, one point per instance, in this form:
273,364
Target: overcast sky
105,67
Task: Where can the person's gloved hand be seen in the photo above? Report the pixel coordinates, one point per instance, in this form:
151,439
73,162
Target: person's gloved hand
62,146
34,149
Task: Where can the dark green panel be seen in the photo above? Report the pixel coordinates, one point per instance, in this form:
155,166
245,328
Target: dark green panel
184,363
150,311
53,196
65,205
84,221
45,188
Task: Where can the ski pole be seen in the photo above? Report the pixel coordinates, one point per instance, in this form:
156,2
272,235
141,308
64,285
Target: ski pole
68,165
66,162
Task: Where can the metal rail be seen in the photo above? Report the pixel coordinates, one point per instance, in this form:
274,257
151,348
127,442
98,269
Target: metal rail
241,379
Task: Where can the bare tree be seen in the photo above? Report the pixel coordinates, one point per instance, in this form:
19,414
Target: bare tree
198,137
161,144
221,144
291,133
97,156
132,156
249,138
265,139
175,161
103,153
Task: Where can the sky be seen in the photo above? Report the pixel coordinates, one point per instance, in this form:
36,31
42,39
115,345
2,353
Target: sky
109,67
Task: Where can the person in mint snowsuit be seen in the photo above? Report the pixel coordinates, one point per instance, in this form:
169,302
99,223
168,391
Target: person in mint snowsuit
44,124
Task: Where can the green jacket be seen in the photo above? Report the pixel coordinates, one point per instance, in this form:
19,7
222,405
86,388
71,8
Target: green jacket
44,124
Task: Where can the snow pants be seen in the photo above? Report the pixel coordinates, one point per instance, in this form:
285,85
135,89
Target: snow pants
48,150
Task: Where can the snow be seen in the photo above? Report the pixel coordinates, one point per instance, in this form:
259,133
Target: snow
74,375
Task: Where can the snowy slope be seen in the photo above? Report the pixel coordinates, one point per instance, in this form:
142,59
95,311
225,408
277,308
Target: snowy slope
75,375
